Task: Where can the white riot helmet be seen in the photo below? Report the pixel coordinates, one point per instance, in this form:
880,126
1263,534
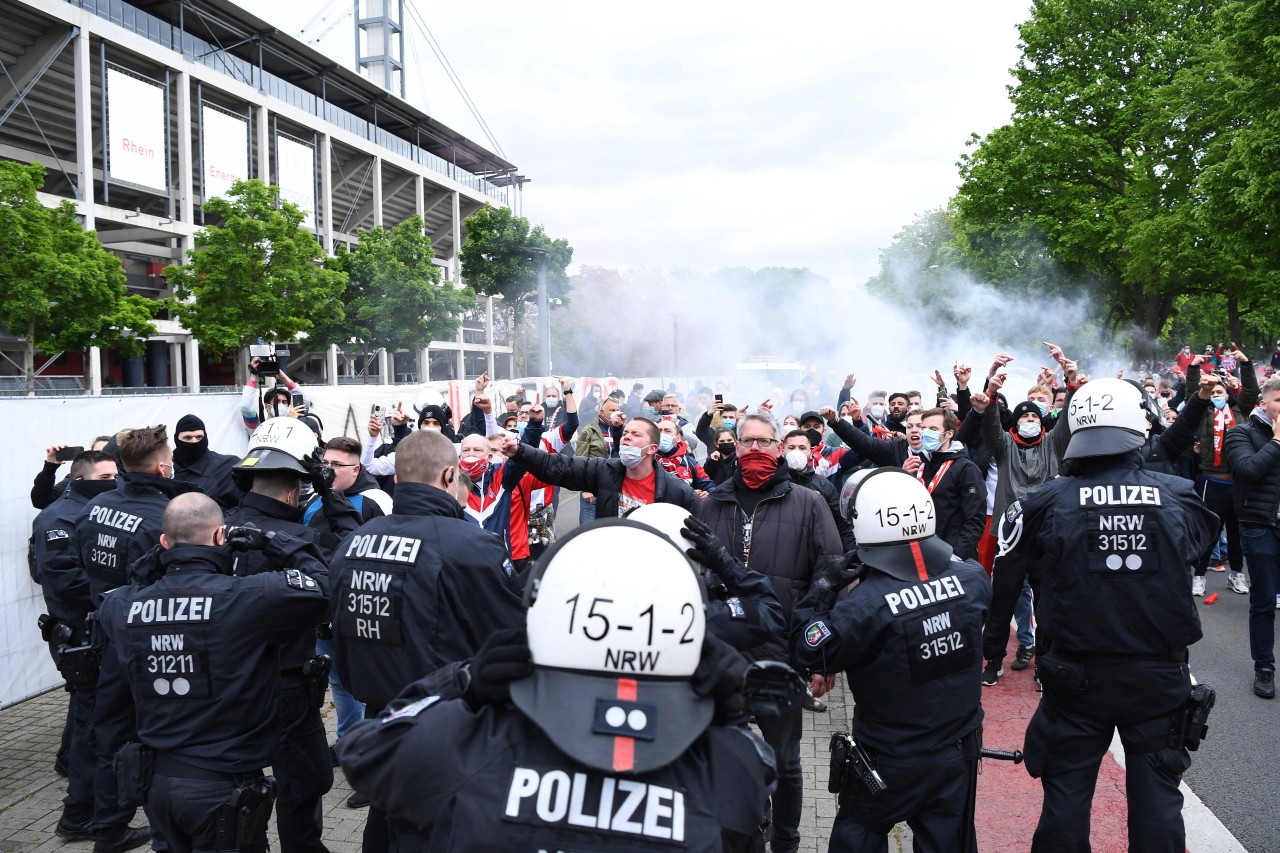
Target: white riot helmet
616,622
277,444
667,519
1106,417
894,522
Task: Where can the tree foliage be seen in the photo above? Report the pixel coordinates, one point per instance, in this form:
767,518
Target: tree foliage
393,297
256,276
58,287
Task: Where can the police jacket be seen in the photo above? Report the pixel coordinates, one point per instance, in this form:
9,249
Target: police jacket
1255,464
829,493
742,608
496,782
912,651
789,529
1116,544
211,473
64,582
603,478
201,651
120,526
415,590
300,551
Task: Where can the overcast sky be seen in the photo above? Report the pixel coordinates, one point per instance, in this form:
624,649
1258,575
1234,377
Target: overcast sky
702,135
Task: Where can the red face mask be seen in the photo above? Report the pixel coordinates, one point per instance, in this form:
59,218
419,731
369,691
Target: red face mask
757,467
474,466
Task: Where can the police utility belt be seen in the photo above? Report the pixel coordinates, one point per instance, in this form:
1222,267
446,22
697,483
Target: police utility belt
316,674
77,664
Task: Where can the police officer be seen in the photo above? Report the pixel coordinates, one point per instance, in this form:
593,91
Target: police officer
200,647
282,455
1116,543
742,608
417,589
611,744
66,595
117,529
908,637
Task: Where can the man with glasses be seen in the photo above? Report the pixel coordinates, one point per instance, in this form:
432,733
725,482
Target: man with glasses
619,484
780,530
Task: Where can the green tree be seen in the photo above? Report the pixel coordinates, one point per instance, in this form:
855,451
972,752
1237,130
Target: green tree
58,287
394,297
1095,162
497,260
256,276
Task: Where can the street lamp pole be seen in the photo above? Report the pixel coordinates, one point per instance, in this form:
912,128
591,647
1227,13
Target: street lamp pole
675,325
544,313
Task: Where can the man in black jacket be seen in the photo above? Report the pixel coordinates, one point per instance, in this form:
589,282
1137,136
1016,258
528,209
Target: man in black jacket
620,484
797,450
779,530
196,464
1254,451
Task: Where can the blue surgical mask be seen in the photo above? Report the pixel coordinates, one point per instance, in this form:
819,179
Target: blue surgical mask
666,442
729,423
930,439
1219,403
520,425
1044,408
651,413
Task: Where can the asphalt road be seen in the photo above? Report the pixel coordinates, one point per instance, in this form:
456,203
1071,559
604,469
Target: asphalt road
1234,771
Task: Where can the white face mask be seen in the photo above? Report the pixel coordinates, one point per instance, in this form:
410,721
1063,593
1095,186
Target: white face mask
877,410
1029,430
797,460
630,456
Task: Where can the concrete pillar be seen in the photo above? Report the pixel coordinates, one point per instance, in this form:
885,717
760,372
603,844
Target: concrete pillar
331,364
456,213
175,364
384,366
186,186
95,371
420,200
424,364
377,191
326,190
84,141
488,327
261,130
193,365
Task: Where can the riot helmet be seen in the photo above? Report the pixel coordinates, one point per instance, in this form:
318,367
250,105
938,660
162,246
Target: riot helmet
277,444
1106,417
895,524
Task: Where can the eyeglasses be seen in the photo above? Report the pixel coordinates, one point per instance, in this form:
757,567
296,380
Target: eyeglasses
764,443
329,464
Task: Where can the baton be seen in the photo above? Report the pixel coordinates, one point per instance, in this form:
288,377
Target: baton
1003,755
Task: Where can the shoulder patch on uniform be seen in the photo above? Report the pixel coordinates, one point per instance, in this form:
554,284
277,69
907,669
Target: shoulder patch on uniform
413,709
816,634
298,580
736,610
1013,512
1010,531
56,534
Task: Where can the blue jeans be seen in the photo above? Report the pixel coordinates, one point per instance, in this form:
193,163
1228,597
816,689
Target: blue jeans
1022,616
586,510
1262,554
350,710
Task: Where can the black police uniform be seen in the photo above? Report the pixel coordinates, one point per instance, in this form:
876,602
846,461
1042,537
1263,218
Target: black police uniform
301,764
1116,618
117,529
489,779
200,648
910,646
66,595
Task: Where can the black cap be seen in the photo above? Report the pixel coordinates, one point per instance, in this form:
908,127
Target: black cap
810,416
653,397
1024,407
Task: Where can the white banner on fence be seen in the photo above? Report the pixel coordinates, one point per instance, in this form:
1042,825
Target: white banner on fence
296,175
225,150
135,131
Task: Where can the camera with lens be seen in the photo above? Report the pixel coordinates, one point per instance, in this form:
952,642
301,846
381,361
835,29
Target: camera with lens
269,358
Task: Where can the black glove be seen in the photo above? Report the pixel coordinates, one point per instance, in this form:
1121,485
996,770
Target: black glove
320,474
707,548
839,571
721,674
502,659
147,569
247,537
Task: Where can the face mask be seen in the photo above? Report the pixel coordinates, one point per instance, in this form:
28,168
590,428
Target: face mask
815,437
666,442
726,448
1219,403
630,456
520,425
797,406
1043,407
1186,350
757,468
729,423
797,460
552,402
431,427
651,413
1029,430
473,466
187,452
91,488
877,410
282,410
930,440
847,419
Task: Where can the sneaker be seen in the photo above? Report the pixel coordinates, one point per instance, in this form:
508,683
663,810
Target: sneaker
1237,583
121,839
991,674
1022,659
1218,567
357,801
1264,682
1197,585
813,703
